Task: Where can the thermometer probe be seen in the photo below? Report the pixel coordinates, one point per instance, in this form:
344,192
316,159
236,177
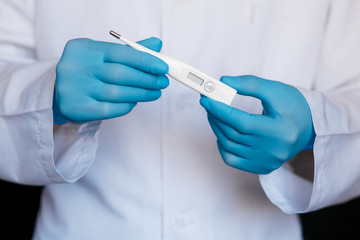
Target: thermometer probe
189,75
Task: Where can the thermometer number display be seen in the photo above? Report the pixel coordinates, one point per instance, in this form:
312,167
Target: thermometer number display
195,78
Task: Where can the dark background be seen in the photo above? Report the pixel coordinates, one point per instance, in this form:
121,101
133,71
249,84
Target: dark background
19,206
339,222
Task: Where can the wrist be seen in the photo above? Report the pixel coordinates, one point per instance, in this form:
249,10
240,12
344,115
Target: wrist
310,144
58,118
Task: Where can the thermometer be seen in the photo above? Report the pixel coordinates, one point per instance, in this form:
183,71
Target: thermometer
189,75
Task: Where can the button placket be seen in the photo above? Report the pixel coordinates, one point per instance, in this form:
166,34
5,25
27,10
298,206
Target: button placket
176,99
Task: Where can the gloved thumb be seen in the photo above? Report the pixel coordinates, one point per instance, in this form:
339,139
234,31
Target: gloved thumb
152,43
248,85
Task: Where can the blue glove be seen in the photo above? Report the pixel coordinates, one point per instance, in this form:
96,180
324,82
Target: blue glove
261,143
102,80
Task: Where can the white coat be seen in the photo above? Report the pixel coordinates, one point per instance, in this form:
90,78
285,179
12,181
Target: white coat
156,173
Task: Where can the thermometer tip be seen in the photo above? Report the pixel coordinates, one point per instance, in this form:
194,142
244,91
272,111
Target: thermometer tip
115,34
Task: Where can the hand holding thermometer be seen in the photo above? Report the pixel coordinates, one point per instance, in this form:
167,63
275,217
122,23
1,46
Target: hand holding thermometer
189,75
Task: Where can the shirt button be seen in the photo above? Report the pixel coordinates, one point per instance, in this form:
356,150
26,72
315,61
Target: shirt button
184,101
183,223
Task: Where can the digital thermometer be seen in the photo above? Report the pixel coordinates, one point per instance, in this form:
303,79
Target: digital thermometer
189,75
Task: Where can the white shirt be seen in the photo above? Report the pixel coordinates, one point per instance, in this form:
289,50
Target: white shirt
156,173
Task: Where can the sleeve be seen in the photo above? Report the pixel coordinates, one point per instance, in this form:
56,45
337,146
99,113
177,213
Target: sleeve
335,108
33,151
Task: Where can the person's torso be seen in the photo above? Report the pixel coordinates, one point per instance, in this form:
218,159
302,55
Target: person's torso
158,173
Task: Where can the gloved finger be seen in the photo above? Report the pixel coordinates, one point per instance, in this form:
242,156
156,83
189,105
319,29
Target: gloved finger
119,53
127,76
96,110
248,85
244,164
231,133
254,140
232,147
152,43
123,94
108,110
241,121
253,149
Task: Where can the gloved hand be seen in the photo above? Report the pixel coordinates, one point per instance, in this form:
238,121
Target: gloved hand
102,80
261,143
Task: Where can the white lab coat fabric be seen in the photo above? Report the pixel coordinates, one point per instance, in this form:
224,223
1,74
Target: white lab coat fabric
156,172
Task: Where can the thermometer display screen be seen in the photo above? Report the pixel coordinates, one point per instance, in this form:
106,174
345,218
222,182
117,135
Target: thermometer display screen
195,78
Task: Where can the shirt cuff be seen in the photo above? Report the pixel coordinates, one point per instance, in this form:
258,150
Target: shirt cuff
66,152
286,190
74,151
290,192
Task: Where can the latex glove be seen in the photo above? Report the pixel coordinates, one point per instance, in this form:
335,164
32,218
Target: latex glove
102,80
261,143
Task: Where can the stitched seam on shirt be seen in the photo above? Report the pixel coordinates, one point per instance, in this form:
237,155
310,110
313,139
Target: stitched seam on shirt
320,175
26,112
338,134
42,144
